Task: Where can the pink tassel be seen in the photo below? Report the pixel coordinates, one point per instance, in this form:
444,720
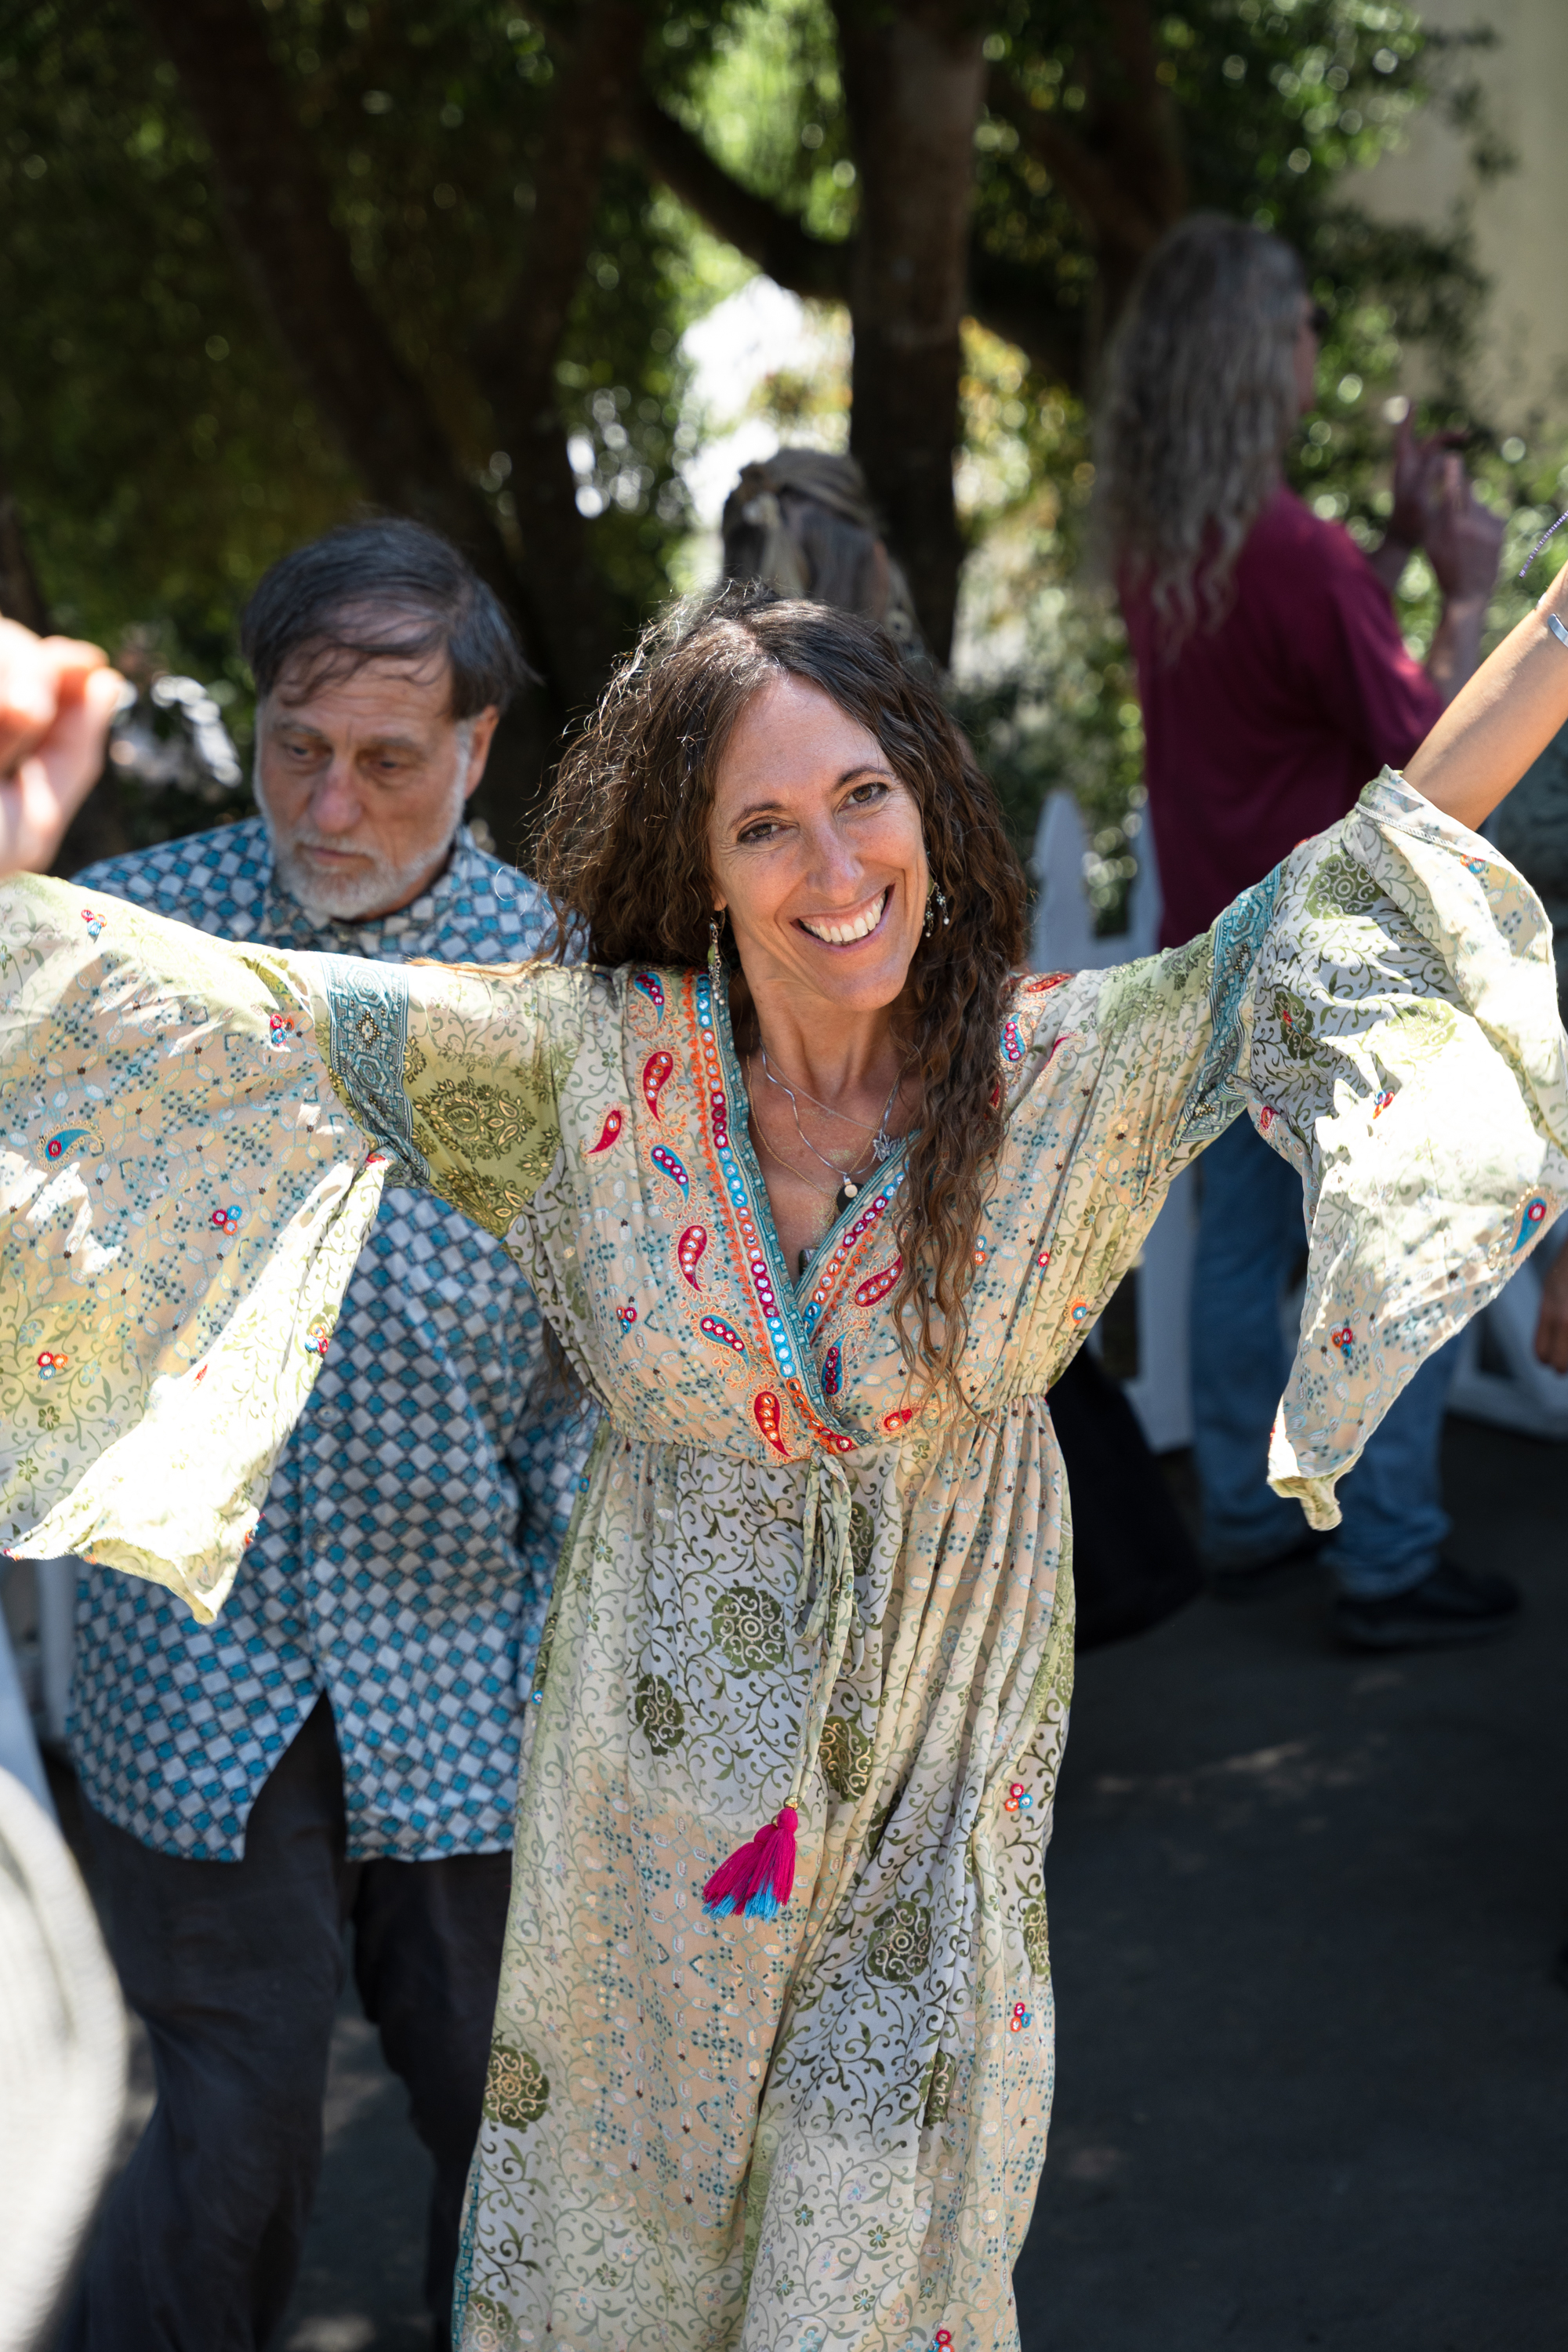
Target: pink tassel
759,1877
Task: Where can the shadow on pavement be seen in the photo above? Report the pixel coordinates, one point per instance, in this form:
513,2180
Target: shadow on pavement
1313,2081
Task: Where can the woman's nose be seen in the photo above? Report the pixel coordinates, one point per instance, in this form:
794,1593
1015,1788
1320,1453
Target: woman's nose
832,866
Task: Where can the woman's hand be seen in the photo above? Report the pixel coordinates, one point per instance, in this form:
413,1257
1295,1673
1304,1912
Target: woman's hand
1419,473
1551,1323
1463,538
56,698
1463,543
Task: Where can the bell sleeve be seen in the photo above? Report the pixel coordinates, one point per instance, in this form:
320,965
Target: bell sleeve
193,1140
1382,1006
1406,1056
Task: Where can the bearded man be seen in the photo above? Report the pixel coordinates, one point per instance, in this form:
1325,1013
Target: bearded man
341,1745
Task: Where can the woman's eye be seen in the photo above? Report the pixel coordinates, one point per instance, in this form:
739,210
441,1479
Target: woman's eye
867,794
754,833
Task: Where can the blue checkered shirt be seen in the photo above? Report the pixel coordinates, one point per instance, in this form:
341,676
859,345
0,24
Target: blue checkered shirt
404,1558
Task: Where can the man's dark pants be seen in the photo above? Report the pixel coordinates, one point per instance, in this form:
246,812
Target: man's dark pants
237,1967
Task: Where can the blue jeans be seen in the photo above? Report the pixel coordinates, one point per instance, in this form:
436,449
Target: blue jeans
1250,1239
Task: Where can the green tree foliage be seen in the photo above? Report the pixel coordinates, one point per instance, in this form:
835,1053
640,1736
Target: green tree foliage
1102,122
158,444
1274,105
166,437
161,444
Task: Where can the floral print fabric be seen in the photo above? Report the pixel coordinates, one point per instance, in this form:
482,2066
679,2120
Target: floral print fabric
824,2128
422,1622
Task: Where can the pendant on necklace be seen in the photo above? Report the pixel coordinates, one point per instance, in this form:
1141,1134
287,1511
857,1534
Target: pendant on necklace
848,1192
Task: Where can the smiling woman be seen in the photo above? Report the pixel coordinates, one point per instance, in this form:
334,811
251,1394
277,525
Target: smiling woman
772,766
774,2042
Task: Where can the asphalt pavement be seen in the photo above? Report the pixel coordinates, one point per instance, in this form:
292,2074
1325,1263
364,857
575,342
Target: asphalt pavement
1312,2080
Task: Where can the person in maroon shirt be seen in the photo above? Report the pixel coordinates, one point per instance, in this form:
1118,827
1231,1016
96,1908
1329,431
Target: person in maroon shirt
1275,685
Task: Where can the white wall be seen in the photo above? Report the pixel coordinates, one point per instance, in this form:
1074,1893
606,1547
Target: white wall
1520,221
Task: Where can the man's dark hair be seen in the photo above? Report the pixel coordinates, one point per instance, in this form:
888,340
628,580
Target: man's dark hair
383,590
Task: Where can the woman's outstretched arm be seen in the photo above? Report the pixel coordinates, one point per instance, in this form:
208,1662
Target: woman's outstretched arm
1502,721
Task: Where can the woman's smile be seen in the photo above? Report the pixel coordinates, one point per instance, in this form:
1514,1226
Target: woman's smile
846,930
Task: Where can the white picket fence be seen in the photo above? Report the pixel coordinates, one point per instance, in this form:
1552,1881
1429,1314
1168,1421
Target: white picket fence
1498,1378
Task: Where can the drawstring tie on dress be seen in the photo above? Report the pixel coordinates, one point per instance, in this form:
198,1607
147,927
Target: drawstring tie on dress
759,1877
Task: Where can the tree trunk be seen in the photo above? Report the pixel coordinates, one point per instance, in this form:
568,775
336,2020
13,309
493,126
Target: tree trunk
913,77
277,207
516,357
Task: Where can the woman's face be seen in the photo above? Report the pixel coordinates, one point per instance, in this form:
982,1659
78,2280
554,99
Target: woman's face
815,848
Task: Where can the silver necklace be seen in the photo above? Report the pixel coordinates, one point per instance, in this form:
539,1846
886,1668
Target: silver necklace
882,1142
849,1184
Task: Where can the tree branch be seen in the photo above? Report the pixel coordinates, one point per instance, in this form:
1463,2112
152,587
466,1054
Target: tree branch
802,264
516,355
1012,298
1094,185
1142,116
913,80
279,215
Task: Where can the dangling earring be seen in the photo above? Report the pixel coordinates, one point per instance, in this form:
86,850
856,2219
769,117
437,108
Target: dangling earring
934,898
713,959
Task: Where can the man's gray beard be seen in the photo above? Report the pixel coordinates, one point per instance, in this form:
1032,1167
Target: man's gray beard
370,888
373,887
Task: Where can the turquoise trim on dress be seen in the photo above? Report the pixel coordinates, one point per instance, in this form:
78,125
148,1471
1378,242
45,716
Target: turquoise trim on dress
1217,1096
367,1009
794,1356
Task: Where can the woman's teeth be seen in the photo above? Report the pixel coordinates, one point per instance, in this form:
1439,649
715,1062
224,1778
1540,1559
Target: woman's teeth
858,927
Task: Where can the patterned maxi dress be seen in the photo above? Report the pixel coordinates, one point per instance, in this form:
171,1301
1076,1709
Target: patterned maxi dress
822,2129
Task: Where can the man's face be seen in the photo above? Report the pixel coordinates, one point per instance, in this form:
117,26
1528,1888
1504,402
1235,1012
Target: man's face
362,782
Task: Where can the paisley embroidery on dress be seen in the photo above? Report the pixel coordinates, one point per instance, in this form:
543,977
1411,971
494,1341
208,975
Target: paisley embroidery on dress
656,1071
713,1327
688,1254
1532,1220
664,1160
769,1420
59,1145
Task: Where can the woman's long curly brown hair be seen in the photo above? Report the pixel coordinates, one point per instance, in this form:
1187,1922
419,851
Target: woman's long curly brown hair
625,857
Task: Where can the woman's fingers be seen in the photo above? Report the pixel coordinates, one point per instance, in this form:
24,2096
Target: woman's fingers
28,694
57,697
37,675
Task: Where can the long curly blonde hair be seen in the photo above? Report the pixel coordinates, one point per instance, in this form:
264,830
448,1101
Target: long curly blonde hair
1199,403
